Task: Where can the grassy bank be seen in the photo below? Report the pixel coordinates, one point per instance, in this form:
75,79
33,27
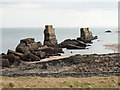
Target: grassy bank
69,82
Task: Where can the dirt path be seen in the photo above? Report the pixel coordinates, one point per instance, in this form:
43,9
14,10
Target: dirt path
48,59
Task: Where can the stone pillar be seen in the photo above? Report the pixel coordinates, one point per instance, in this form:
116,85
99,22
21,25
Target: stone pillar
86,35
49,36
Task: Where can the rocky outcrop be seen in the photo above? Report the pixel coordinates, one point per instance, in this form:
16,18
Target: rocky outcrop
86,35
50,38
77,66
28,50
27,44
108,31
72,44
5,63
80,42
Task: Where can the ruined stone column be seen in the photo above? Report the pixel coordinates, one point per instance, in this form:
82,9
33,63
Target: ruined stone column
86,35
49,36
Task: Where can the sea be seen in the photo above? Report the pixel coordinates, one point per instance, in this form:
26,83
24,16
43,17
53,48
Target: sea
10,38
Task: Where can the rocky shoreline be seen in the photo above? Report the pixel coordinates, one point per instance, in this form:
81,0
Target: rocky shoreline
29,50
74,66
31,58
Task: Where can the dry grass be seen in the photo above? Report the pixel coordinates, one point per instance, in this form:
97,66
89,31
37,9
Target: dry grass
69,82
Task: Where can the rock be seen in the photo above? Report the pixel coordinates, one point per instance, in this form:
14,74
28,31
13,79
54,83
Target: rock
33,46
17,61
86,35
42,48
27,40
50,38
33,57
22,48
39,44
51,50
58,50
27,45
108,31
96,37
11,58
13,52
25,57
4,56
40,54
71,46
5,63
48,50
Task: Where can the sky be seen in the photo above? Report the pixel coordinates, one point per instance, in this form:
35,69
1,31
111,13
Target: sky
59,14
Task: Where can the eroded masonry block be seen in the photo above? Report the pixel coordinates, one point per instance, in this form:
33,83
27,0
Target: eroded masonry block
49,36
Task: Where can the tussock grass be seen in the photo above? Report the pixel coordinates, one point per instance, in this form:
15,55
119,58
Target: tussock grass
69,82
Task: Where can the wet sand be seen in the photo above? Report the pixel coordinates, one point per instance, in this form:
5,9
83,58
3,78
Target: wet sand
114,47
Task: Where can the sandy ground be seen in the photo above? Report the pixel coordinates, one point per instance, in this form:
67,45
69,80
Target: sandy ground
114,47
48,59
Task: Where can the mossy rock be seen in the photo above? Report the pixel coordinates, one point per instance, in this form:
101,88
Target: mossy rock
71,46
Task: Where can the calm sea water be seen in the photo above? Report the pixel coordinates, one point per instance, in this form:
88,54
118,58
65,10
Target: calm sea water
10,38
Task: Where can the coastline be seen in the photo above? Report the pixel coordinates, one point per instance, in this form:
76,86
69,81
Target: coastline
114,47
75,66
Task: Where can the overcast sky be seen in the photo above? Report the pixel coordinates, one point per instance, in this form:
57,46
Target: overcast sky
59,14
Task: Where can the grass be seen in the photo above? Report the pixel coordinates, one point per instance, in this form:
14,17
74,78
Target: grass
83,57
69,82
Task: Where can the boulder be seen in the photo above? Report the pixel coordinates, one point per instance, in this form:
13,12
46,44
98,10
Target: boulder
39,44
25,57
40,54
108,31
11,58
96,37
22,48
33,57
33,46
27,40
13,52
27,45
4,56
49,50
17,61
42,48
5,63
58,50
49,36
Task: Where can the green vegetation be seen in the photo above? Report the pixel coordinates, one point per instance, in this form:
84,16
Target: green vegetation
83,57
